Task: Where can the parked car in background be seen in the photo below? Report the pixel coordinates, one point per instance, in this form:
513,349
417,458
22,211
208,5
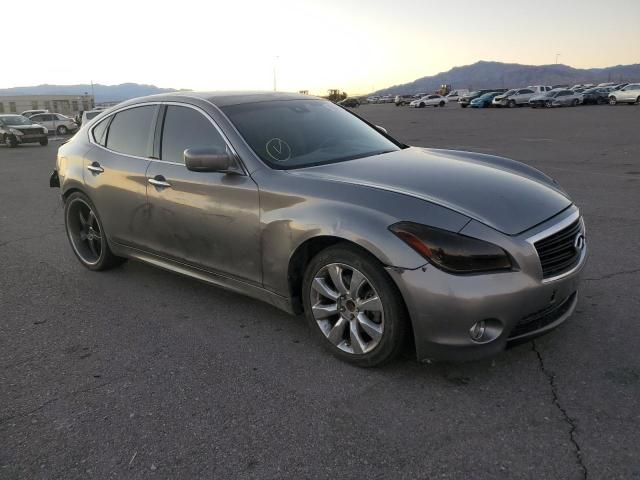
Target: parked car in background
403,100
372,99
619,86
629,94
540,88
347,102
386,99
17,129
483,101
498,99
88,115
56,122
596,95
556,98
465,100
518,97
429,101
454,95
29,113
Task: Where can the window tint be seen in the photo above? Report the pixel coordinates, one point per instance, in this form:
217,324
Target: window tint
130,131
185,128
100,131
526,91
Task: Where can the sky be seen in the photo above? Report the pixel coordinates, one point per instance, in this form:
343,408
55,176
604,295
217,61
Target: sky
353,45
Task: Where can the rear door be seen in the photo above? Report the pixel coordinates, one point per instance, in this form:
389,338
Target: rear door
115,172
209,220
43,119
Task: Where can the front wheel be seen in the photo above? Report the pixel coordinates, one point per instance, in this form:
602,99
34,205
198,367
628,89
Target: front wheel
441,104
512,103
548,104
62,130
421,105
86,234
575,103
613,100
10,141
354,307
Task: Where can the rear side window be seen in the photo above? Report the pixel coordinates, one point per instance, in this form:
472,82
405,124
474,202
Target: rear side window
100,132
130,131
185,128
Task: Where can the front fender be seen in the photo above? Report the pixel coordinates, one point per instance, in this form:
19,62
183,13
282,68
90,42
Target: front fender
294,210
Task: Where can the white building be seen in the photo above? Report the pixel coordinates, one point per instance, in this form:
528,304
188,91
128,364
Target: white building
66,104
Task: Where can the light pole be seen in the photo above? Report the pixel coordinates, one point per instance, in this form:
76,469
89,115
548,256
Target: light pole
275,61
557,55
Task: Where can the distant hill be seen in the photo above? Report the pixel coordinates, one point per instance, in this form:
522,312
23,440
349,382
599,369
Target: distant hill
103,93
505,75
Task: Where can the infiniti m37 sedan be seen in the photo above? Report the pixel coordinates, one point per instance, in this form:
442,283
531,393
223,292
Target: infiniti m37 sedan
301,203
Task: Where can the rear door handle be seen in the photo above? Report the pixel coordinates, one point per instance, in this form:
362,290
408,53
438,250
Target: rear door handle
159,181
95,168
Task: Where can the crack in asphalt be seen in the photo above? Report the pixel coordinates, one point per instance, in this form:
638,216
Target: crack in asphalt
566,418
51,400
24,239
611,275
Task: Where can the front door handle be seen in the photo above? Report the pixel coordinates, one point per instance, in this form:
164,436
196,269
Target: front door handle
95,168
159,181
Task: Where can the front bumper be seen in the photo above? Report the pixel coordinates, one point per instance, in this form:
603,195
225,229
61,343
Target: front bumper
30,138
519,304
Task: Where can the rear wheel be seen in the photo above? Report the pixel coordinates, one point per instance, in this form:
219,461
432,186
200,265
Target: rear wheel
575,102
354,307
86,234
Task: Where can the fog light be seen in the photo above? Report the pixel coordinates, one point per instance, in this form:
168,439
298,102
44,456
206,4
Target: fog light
477,330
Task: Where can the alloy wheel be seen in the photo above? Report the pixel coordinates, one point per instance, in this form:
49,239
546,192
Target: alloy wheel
347,308
84,231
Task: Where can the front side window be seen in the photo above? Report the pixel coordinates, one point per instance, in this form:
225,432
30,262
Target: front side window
185,128
130,131
300,133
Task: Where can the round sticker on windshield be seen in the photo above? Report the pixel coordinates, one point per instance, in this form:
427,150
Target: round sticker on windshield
278,149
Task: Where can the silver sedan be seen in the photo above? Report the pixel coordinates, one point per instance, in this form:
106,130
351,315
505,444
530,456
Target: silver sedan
298,202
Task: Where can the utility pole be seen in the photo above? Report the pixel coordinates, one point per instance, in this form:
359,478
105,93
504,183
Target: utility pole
557,55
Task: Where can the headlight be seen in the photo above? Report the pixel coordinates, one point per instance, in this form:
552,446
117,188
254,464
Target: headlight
15,132
452,252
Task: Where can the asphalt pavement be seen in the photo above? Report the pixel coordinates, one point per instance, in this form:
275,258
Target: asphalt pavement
141,373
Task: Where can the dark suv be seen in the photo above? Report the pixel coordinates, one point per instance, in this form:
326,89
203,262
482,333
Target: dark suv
465,100
15,129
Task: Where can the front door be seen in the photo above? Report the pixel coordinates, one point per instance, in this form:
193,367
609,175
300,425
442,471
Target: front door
209,220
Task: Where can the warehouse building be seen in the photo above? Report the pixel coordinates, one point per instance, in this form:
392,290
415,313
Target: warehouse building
70,105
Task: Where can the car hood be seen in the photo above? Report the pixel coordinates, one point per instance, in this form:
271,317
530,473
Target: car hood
34,125
506,195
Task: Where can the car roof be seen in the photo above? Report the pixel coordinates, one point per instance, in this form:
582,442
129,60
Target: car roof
223,99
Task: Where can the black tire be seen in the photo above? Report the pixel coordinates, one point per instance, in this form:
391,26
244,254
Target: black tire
548,104
44,142
62,130
638,101
511,104
106,259
396,321
613,100
463,105
441,103
10,141
575,103
421,105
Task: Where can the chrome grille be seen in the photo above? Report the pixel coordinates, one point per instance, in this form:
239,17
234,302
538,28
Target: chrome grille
558,252
31,131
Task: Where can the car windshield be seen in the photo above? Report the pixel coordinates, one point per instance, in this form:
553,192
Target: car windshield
300,133
90,115
15,120
509,92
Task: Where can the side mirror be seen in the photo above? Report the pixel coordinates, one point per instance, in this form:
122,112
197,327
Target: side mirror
382,129
208,159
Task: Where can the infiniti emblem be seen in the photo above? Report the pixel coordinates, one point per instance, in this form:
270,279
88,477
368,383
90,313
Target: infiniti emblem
578,243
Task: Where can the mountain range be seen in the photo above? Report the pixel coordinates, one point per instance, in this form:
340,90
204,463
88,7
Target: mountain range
103,93
485,74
